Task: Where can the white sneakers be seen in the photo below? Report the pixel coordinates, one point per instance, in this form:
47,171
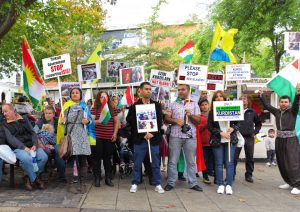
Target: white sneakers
158,189
295,191
268,164
228,190
284,186
221,189
133,188
274,164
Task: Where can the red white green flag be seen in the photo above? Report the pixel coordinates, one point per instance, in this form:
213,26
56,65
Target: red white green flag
186,52
33,83
104,114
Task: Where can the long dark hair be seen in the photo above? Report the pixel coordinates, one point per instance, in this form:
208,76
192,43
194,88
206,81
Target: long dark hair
98,105
214,98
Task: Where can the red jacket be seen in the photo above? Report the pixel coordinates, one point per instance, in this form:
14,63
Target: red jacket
199,151
204,132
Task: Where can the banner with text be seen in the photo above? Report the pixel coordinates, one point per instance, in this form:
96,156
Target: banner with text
57,66
161,78
228,110
238,72
192,74
215,82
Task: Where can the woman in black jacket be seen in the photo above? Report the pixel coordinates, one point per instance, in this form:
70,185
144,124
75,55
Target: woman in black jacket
221,133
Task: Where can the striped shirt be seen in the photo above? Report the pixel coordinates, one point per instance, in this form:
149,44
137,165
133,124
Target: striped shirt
104,131
177,112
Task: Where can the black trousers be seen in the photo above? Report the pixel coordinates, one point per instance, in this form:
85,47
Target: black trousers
104,149
249,151
81,161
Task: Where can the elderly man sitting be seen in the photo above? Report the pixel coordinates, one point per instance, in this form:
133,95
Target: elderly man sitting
25,144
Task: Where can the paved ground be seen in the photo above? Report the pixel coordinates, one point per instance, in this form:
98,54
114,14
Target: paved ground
263,195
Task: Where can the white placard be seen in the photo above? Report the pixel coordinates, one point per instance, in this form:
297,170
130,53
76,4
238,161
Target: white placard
88,71
192,74
146,118
66,87
292,41
215,82
161,78
228,110
57,66
132,76
238,72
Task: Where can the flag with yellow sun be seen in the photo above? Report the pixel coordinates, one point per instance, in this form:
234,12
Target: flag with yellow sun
33,83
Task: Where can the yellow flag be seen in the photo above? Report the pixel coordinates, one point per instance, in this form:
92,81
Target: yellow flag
95,56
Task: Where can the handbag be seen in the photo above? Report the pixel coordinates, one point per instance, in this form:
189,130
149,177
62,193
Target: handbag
241,140
65,144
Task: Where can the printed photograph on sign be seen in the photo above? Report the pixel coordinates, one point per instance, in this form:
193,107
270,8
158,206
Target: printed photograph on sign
161,78
57,66
238,72
133,75
89,71
146,118
66,88
228,110
215,82
292,41
113,68
164,93
192,74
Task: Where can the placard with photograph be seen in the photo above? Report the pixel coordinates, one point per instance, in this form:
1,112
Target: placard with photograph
113,68
292,41
132,76
164,93
146,118
66,88
89,71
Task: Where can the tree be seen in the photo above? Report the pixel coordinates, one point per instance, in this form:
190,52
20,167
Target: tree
257,20
52,28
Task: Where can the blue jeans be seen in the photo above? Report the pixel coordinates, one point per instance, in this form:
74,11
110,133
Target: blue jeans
221,157
140,151
189,148
26,162
209,161
60,163
1,166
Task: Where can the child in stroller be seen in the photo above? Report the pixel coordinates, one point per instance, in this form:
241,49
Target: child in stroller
126,158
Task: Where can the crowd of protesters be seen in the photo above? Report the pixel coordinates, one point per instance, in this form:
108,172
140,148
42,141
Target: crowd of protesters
187,141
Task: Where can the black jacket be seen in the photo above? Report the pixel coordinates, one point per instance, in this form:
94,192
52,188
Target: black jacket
214,128
138,138
7,138
22,130
246,127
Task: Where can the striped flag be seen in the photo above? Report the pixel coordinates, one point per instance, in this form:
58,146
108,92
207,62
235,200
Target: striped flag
127,98
186,52
285,82
104,114
33,83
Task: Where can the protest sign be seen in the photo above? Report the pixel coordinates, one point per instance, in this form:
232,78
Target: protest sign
228,110
88,71
214,82
146,118
292,41
238,72
160,93
57,66
66,88
161,78
113,68
192,74
131,76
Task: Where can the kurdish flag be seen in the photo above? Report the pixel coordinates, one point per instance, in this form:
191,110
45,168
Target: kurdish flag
33,83
104,114
285,82
186,52
127,98
222,44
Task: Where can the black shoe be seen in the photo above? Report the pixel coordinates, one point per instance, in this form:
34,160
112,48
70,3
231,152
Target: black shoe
168,187
215,180
97,181
197,188
109,182
197,175
249,179
181,178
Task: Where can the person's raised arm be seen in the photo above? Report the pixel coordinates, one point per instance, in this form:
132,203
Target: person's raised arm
265,103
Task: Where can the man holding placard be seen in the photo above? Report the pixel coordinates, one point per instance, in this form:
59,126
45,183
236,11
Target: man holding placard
145,118
184,117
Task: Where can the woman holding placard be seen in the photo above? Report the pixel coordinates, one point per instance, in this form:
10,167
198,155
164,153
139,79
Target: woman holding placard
222,132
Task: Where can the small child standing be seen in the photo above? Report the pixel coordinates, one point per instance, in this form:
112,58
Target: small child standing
270,146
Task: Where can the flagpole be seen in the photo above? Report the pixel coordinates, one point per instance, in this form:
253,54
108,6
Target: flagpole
132,94
60,97
158,94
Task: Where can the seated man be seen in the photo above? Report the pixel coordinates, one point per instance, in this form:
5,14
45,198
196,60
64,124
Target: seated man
25,143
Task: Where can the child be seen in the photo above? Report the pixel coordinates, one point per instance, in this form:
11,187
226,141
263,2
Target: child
270,146
47,138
